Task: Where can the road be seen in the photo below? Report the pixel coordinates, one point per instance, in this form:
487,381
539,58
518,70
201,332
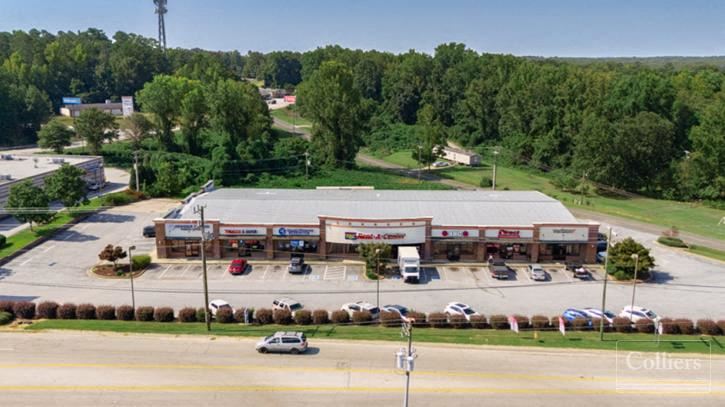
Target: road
91,369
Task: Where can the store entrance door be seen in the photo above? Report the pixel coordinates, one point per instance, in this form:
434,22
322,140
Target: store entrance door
558,252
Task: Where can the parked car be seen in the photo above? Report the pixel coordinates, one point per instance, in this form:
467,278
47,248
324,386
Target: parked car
286,304
283,342
297,264
578,269
571,314
537,272
149,231
637,313
398,309
498,269
439,164
598,314
352,307
459,308
237,266
216,305
601,256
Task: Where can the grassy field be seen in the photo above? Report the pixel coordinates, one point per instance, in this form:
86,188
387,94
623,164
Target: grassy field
290,116
707,252
689,217
577,340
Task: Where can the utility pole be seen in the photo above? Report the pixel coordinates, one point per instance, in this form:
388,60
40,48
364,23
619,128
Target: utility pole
135,169
493,180
207,318
130,268
635,256
377,275
405,358
604,288
307,164
420,161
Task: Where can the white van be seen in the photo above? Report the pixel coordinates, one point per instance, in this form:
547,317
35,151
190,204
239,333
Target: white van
409,264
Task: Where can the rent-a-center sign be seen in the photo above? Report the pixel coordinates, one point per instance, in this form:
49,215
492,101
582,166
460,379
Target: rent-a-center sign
362,235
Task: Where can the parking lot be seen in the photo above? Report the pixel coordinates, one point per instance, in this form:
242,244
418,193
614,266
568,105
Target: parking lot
256,272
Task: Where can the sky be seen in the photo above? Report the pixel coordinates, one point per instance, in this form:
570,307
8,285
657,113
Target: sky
566,28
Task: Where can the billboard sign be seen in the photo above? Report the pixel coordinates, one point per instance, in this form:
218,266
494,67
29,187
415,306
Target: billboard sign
127,105
68,100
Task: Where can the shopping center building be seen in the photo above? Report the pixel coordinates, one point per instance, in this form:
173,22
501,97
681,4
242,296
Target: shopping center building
331,223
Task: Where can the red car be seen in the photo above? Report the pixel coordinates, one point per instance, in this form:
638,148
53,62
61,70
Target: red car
237,266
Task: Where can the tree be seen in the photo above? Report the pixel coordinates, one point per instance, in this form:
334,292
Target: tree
67,185
162,97
193,117
112,254
137,127
622,264
375,255
29,203
432,137
96,127
55,135
331,100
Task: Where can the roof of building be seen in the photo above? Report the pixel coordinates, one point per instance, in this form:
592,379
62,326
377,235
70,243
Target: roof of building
459,151
23,166
449,208
99,106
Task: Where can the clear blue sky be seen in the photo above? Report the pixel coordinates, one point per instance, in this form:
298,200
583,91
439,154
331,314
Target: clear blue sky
520,27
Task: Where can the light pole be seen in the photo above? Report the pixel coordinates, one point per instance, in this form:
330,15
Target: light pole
493,180
604,288
635,256
377,275
130,269
420,161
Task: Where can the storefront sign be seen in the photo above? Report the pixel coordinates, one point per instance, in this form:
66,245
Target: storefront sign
186,231
359,235
294,231
454,233
564,234
241,231
509,234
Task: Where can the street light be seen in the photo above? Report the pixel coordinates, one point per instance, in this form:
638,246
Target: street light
493,180
420,162
130,269
635,256
377,275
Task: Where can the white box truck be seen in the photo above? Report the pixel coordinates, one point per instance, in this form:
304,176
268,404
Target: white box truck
409,264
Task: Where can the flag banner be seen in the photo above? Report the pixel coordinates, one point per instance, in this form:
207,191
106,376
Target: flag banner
562,326
513,324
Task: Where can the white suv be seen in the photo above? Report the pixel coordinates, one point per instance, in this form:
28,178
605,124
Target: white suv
216,305
353,307
286,304
636,313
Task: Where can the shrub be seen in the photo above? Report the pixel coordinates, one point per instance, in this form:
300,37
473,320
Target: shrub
645,326
303,317
420,320
458,321
24,310
721,325
555,322
3,240
708,327
7,306
187,315
118,199
164,314
671,241
320,317
622,325
5,318
362,317
67,311
597,323
124,313
540,322
340,317
106,312
478,321
580,324
438,320
242,312
224,316
499,322
485,182
86,311
145,314
263,316
685,326
390,319
47,310
523,321
140,261
669,327
282,317
201,315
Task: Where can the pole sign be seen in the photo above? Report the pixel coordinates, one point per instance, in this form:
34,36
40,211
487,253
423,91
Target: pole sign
127,105
69,100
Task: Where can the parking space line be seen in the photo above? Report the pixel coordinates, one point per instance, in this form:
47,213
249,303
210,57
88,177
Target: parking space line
27,261
568,275
48,248
524,272
264,275
163,273
185,270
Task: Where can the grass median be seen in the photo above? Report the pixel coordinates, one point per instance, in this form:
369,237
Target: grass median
574,340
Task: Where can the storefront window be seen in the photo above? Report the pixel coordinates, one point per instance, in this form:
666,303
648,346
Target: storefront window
282,247
243,247
453,250
515,251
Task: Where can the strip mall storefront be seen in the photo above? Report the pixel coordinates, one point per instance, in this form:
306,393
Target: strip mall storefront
338,238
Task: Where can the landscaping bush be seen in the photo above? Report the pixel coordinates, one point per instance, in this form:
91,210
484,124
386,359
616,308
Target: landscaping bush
67,311
685,326
303,317
721,325
420,319
555,322
340,317
224,316
201,315
86,311
240,313
622,325
523,321
263,316
164,314
708,327
362,317
3,241
282,317
24,310
7,306
671,241
106,312
5,318
140,261
47,310
479,321
320,317
438,320
187,315
499,322
597,322
458,321
669,327
390,319
540,322
145,314
124,313
118,199
645,326
580,324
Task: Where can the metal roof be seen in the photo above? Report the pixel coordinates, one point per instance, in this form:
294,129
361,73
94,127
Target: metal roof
448,208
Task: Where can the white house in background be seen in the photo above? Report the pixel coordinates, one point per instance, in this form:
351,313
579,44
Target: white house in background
461,156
